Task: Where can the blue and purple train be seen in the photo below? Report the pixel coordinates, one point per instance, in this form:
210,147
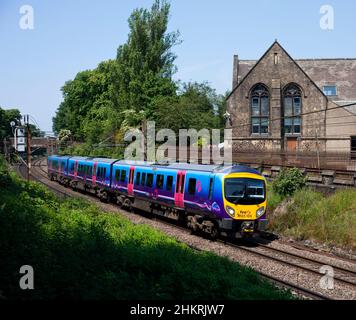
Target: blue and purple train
230,201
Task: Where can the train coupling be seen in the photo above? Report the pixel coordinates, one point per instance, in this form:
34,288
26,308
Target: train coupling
248,227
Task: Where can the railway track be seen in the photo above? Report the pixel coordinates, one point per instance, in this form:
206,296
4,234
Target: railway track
287,258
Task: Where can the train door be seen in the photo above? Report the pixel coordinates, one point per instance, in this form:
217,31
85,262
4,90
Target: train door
94,173
76,169
130,185
179,194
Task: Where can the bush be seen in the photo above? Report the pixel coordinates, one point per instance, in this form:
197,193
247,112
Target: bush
289,181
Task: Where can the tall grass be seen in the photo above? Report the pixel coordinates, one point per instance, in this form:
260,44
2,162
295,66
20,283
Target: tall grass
78,252
311,215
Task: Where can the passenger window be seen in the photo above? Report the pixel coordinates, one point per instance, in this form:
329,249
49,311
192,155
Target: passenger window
143,181
192,185
123,175
117,175
211,189
138,178
160,181
169,185
149,182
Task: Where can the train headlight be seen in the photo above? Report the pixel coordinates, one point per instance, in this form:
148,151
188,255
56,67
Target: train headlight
230,211
260,212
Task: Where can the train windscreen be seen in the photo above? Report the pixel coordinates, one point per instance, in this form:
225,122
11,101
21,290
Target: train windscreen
245,191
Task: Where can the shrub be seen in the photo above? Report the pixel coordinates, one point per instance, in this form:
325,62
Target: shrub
289,181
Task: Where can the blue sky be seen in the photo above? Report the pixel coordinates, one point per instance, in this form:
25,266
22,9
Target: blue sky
74,35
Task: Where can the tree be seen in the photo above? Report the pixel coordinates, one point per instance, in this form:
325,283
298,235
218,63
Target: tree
7,116
145,64
195,107
89,90
97,103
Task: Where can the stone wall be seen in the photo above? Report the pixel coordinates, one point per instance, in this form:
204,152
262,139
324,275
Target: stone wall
275,76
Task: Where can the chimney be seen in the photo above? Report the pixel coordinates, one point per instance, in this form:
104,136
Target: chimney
235,76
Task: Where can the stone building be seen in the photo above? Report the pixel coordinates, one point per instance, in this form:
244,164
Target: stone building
281,104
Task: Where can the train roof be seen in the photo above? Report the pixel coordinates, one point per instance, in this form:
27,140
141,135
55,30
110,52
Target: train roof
79,158
59,157
103,160
173,166
194,167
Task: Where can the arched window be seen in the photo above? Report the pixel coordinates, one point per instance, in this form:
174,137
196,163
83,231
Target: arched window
260,109
292,98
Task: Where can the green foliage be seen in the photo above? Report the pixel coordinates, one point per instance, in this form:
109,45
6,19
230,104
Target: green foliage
6,116
310,215
288,181
102,104
88,91
78,252
145,63
195,107
274,199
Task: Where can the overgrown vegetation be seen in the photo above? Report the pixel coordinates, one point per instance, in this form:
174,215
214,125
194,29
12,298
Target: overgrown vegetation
13,115
102,104
288,181
303,213
78,252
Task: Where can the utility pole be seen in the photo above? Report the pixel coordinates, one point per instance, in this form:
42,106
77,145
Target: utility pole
317,140
27,121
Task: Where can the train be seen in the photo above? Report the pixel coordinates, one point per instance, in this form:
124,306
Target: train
210,199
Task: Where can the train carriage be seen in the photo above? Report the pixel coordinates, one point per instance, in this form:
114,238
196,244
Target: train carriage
57,167
214,199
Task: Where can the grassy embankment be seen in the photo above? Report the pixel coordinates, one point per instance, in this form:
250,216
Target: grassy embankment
78,252
308,214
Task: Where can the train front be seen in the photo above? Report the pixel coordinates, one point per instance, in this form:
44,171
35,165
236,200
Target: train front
245,201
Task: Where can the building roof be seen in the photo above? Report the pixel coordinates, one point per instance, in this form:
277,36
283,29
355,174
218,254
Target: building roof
331,71
251,65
